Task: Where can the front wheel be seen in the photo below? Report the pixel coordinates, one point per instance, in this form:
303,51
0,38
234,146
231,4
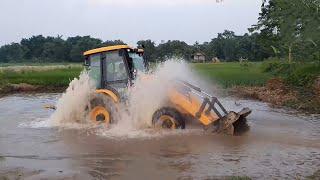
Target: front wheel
102,109
168,118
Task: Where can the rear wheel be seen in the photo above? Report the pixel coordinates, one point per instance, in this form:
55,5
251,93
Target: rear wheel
102,109
168,118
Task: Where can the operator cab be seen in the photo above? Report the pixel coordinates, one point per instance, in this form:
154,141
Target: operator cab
114,67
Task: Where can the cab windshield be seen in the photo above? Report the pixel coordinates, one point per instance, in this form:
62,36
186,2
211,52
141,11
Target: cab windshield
138,61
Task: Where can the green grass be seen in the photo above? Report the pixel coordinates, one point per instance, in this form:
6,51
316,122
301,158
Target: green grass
233,74
59,75
37,64
51,77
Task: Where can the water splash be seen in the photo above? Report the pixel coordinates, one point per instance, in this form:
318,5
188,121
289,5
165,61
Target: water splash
148,94
71,107
150,91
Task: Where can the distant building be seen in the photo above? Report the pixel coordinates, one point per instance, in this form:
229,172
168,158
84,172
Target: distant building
199,57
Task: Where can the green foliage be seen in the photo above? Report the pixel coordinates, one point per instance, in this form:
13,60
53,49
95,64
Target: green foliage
233,74
303,76
41,49
292,27
245,63
13,52
226,74
277,67
296,74
77,45
48,78
172,49
150,53
227,46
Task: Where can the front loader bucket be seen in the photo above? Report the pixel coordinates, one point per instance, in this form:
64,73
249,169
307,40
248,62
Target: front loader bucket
233,123
208,109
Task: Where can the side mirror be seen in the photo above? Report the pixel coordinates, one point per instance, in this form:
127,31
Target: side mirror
86,61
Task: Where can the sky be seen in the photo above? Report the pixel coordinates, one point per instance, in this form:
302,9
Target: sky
128,20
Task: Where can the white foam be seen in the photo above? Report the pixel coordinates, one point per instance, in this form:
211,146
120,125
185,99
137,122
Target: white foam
37,123
114,133
70,108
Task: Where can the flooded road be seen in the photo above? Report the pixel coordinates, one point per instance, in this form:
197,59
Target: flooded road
280,145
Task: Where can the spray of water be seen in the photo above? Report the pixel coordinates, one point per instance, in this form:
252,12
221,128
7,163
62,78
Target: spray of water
151,90
71,107
148,94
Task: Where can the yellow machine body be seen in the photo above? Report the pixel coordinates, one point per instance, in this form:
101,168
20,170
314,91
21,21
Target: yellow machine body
190,104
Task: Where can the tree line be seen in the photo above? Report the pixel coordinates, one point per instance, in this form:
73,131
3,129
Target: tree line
50,49
286,29
226,46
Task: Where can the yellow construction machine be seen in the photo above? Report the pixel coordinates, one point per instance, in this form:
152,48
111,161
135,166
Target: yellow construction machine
114,69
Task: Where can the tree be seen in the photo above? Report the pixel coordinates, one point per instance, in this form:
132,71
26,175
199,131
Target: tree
77,45
112,43
225,45
33,46
149,48
54,49
11,53
172,49
290,23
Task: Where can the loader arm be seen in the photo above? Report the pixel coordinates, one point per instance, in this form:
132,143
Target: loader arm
204,107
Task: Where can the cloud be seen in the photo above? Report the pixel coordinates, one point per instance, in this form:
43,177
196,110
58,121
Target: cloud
153,2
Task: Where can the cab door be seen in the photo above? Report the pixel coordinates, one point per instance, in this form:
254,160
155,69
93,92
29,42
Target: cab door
115,73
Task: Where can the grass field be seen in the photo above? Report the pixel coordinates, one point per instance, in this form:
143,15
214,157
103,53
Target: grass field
59,75
55,78
233,74
52,76
37,64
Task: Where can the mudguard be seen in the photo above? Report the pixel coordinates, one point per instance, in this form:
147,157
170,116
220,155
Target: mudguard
114,97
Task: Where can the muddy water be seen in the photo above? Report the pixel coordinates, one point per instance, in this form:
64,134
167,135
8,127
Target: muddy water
280,144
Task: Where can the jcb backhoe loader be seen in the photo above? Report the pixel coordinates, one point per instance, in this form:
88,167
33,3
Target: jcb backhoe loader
114,68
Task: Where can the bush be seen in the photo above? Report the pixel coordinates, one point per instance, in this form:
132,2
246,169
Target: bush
296,74
304,76
278,66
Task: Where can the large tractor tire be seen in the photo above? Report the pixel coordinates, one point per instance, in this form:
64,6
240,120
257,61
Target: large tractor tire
168,118
102,109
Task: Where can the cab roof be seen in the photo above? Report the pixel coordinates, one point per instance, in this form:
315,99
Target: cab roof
105,49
